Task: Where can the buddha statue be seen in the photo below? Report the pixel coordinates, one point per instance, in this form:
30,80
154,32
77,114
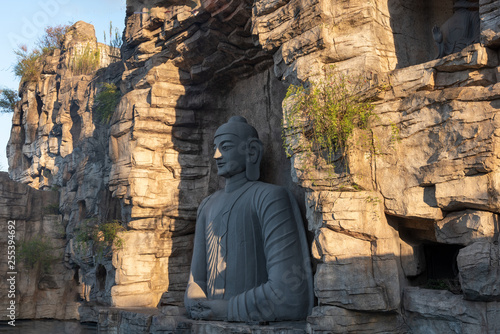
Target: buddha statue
459,31
250,259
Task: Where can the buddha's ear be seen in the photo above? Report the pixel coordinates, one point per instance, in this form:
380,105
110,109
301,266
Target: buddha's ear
254,157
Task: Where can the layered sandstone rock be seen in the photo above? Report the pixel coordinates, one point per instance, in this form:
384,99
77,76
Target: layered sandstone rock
58,143
431,311
489,13
380,220
39,292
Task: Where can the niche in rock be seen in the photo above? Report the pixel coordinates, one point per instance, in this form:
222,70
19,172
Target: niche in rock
26,161
39,104
76,127
412,25
82,210
426,262
100,275
110,206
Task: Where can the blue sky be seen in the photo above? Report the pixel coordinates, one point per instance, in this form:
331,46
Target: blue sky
23,22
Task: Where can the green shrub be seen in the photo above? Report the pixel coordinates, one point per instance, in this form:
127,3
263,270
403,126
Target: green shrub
51,209
85,61
106,101
327,112
55,187
100,236
36,251
85,231
8,100
29,64
108,233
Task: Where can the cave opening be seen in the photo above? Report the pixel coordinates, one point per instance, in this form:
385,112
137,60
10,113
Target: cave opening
425,262
100,275
441,260
39,104
110,207
82,210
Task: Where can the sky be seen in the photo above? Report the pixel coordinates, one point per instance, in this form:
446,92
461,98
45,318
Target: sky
23,22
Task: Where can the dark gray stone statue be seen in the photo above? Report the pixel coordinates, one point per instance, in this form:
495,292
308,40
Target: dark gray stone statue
461,30
250,258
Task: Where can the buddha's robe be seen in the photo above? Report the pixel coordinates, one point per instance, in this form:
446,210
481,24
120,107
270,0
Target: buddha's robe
461,30
250,249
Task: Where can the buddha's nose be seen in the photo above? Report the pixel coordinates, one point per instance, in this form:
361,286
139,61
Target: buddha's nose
217,154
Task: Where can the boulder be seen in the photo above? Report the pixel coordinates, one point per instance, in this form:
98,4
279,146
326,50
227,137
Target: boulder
440,311
479,271
337,320
489,12
466,227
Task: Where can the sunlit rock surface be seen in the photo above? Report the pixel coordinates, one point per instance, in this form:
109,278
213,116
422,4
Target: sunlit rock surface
386,222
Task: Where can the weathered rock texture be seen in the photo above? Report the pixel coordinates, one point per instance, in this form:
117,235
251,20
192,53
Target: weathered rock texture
58,143
430,311
38,294
389,218
489,13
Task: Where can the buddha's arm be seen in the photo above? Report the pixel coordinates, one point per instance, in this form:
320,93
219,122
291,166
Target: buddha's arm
438,38
286,294
197,285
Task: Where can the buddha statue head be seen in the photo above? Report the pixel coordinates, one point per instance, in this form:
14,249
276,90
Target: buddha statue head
238,149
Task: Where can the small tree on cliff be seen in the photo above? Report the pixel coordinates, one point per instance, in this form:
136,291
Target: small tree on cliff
8,100
53,38
29,64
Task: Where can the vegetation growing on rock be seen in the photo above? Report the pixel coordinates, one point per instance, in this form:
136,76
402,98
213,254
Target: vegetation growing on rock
8,100
29,64
85,61
326,112
106,101
100,236
36,251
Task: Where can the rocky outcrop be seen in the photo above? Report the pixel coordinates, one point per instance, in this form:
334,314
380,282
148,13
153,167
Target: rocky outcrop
172,319
53,118
489,13
480,260
434,183
58,143
390,218
431,311
38,291
399,200
466,227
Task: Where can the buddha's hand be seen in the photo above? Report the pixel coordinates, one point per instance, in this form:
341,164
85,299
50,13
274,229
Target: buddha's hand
209,310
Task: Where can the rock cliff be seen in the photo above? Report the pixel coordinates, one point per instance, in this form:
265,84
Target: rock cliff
415,209
38,292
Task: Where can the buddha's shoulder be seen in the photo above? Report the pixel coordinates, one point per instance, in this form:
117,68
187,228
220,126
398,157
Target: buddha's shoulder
263,188
208,199
258,189
212,196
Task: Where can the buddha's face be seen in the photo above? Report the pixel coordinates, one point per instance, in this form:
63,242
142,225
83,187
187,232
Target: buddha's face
229,155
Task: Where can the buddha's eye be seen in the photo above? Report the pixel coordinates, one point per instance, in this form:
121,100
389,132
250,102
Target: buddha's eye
226,147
